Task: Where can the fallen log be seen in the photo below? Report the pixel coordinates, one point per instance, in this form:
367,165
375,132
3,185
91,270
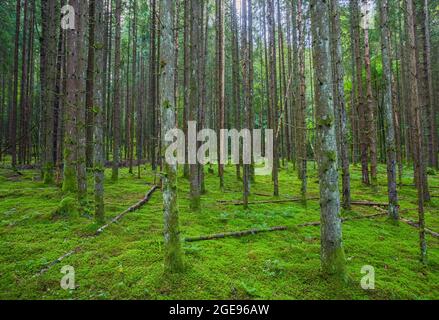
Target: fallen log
239,203
238,234
235,234
134,207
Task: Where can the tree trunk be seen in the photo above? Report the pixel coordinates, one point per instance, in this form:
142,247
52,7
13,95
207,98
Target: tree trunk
173,260
388,111
220,80
80,74
99,76
361,110
273,93
48,83
332,253
301,104
341,103
90,85
13,113
117,95
416,123
195,31
371,130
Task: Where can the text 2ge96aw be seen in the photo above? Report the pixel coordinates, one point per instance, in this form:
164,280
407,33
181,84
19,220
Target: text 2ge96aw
226,309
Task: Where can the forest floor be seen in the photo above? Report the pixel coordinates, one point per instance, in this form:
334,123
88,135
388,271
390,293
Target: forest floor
126,260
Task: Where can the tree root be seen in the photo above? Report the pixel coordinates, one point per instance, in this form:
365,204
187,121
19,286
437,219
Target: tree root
135,207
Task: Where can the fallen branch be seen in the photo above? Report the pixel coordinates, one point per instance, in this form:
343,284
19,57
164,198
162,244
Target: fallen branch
369,204
238,234
135,207
412,223
416,225
239,203
235,234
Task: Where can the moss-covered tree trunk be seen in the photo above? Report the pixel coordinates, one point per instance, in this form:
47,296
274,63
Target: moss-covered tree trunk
173,260
388,111
332,254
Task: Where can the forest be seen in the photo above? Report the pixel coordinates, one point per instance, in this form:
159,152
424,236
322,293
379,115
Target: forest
219,149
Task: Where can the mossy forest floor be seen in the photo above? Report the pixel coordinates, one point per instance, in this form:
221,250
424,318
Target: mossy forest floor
125,261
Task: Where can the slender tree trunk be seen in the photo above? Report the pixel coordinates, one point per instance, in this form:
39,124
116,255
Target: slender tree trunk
236,96
220,79
273,93
80,51
371,130
341,103
89,99
195,30
432,139
186,80
133,87
361,110
332,253
416,123
152,85
388,111
99,76
117,96
13,113
48,85
173,260
23,85
301,104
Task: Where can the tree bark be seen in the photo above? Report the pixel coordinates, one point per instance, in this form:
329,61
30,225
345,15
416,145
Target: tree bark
341,103
173,260
99,76
117,95
332,253
415,113
388,111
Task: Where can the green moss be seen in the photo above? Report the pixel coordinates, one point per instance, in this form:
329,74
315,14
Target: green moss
68,207
69,180
127,260
326,122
